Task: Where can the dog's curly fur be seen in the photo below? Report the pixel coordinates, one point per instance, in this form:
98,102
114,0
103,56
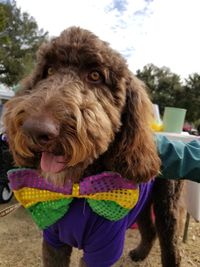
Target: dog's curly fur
87,106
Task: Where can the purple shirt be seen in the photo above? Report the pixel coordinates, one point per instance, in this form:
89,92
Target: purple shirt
101,240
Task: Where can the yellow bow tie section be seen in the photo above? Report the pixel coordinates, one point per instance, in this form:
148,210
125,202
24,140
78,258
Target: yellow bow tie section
126,198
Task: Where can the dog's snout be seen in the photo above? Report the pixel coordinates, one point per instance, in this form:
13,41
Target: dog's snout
41,129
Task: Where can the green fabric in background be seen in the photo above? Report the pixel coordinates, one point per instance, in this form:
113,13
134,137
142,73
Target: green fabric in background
179,160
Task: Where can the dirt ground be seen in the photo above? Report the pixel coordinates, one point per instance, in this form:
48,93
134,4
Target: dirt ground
20,244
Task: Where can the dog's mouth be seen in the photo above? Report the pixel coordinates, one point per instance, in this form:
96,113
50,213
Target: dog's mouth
51,163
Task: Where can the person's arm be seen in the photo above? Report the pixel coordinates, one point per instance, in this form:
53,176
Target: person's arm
179,160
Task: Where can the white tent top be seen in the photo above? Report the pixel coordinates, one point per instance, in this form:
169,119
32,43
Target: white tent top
5,92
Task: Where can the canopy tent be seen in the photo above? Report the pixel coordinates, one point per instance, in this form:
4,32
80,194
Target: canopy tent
5,92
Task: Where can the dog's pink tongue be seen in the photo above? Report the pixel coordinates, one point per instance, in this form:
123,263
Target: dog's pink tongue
52,163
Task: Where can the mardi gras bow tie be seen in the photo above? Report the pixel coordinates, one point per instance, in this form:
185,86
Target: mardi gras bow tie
108,194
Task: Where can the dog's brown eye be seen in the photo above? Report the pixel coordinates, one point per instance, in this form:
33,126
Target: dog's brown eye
94,76
50,71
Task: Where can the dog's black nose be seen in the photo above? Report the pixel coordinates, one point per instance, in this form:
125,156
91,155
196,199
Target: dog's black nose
41,129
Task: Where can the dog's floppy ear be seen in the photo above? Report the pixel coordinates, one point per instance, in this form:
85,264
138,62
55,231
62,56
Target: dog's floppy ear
136,156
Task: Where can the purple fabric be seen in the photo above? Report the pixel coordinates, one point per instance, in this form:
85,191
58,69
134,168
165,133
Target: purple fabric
102,182
101,240
20,178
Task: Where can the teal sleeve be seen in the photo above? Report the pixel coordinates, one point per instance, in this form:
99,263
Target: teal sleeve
179,160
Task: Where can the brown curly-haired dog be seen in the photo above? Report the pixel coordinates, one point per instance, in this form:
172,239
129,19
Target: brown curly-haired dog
82,112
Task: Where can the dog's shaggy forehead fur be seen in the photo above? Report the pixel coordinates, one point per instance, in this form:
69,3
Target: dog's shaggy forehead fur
99,114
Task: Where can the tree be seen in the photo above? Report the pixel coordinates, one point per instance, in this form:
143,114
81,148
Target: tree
19,40
165,87
191,100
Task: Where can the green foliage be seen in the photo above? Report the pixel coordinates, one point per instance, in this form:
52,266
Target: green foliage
19,40
166,89
164,86
191,99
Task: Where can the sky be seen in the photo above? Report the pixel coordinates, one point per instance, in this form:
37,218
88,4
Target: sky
162,32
